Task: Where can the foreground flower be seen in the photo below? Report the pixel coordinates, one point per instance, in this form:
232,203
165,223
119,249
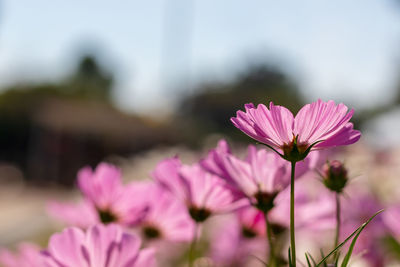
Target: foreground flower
317,125
203,193
27,255
100,246
113,201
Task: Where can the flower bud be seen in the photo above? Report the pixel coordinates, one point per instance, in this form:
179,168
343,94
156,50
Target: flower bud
334,176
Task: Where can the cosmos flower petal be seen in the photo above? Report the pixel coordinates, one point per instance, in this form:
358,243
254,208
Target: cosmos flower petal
66,247
146,258
346,136
100,186
99,246
27,255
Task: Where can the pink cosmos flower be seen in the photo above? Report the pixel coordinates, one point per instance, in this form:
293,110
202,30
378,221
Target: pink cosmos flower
27,255
99,246
114,201
322,124
260,177
167,218
203,193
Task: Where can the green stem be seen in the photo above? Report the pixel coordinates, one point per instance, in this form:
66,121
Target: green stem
292,237
271,249
192,247
337,234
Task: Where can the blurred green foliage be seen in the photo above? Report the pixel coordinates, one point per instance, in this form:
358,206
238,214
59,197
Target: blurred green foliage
209,110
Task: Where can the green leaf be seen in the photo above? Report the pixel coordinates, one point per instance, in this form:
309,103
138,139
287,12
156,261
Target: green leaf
356,232
353,243
308,261
308,257
312,259
337,259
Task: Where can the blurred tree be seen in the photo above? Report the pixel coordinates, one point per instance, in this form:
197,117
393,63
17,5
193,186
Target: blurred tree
209,110
90,80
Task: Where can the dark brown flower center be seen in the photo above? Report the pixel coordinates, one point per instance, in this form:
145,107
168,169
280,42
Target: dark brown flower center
199,214
277,228
265,200
248,233
106,216
151,232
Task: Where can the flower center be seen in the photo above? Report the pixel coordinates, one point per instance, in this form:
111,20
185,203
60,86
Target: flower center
248,233
277,228
106,216
151,232
265,200
199,214
295,151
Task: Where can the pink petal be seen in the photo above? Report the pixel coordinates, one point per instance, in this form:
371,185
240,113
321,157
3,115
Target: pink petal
66,247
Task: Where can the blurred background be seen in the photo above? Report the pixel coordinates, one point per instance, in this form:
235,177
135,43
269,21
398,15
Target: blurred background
132,81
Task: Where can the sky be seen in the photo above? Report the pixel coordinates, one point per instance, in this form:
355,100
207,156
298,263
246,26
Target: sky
343,50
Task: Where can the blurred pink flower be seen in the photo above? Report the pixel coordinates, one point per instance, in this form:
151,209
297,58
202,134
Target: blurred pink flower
252,221
357,210
234,244
99,246
71,213
313,211
114,201
27,255
167,218
215,160
203,193
260,177
322,122
391,218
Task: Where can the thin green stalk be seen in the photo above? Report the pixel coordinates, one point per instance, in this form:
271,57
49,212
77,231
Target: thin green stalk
192,247
338,222
271,249
292,237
